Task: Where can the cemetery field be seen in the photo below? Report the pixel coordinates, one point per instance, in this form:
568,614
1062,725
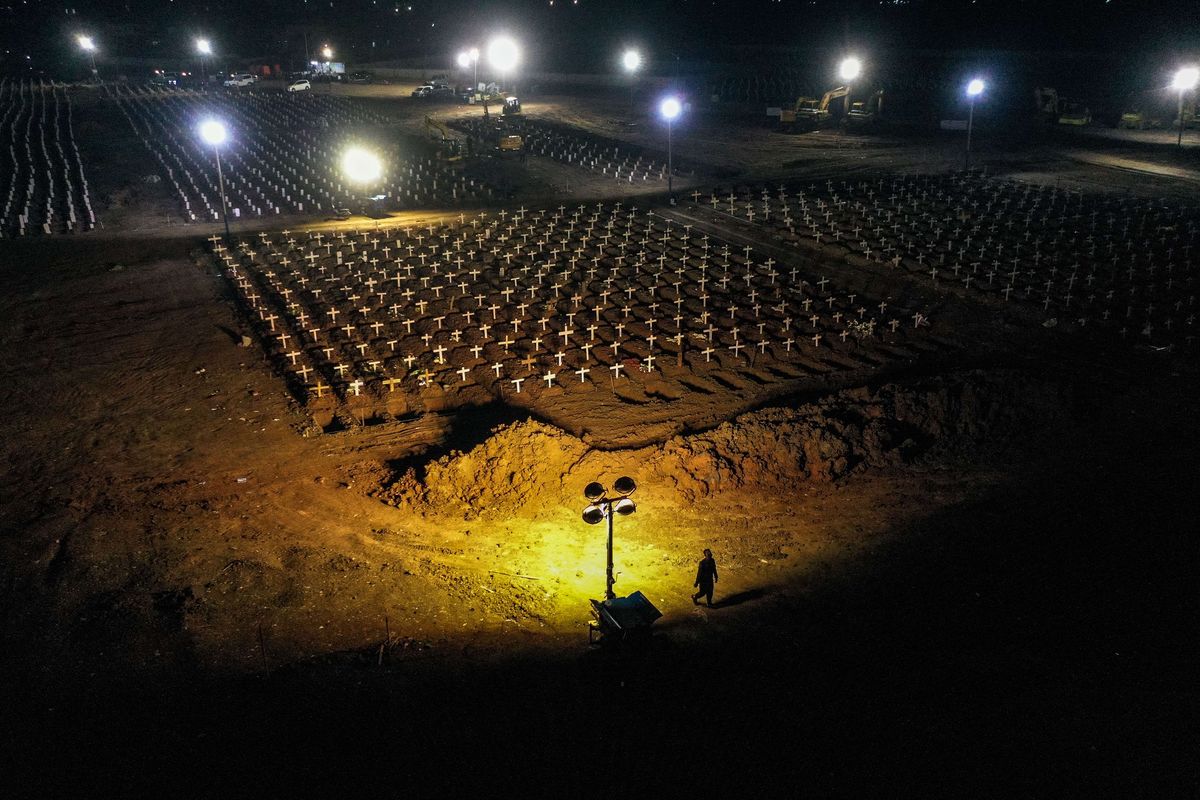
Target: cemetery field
938,428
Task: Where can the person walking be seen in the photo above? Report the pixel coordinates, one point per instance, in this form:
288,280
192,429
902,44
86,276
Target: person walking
706,578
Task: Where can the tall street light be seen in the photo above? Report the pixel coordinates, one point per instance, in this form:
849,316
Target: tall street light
362,167
848,71
503,56
213,133
204,48
631,60
602,507
470,58
974,89
88,45
670,108
1185,81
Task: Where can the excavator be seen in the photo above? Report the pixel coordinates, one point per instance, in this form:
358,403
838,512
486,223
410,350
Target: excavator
865,113
1191,119
807,113
1060,110
449,148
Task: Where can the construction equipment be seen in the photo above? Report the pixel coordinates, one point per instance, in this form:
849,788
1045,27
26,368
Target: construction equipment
1060,110
449,147
1191,119
809,114
1137,119
865,113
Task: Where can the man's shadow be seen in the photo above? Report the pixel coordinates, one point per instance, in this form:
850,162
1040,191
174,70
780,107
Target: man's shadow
738,598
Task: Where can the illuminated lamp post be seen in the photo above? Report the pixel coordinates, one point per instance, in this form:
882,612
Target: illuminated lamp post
362,167
503,56
470,58
1185,81
88,45
848,71
213,133
204,48
602,507
632,62
974,89
670,108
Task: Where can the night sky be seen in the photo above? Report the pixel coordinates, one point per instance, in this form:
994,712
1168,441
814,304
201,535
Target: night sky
581,35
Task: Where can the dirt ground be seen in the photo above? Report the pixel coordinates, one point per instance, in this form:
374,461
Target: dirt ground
973,575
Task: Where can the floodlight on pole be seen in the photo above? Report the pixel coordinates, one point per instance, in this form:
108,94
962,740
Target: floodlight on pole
327,52
88,45
1185,81
361,166
603,507
204,48
214,134
670,108
631,61
974,89
848,71
470,58
503,55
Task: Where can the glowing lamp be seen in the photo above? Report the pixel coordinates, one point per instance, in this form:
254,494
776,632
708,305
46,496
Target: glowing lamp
850,69
1186,79
632,60
670,108
213,132
976,87
361,166
503,54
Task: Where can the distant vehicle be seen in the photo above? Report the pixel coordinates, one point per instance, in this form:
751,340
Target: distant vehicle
241,79
423,91
1137,119
360,77
443,91
161,78
1060,110
299,86
511,107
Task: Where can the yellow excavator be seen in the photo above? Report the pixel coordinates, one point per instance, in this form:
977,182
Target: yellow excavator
449,148
865,113
1060,110
808,113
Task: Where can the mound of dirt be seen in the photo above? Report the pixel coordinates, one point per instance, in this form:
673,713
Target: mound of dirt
529,468
518,466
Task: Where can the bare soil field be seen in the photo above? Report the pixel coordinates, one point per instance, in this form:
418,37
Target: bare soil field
965,568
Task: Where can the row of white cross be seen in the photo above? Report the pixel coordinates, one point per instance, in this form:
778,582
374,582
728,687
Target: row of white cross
283,155
42,182
609,288
576,148
1087,258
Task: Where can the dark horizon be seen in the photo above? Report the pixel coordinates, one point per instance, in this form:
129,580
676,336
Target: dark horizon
582,36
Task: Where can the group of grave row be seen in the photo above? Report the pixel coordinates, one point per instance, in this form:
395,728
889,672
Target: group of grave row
1083,259
43,190
781,86
574,147
496,300
272,162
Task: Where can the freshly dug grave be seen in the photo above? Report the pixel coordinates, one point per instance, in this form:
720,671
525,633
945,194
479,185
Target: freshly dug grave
530,469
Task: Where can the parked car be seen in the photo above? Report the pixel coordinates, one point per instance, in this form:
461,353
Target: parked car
423,91
360,77
241,79
299,86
